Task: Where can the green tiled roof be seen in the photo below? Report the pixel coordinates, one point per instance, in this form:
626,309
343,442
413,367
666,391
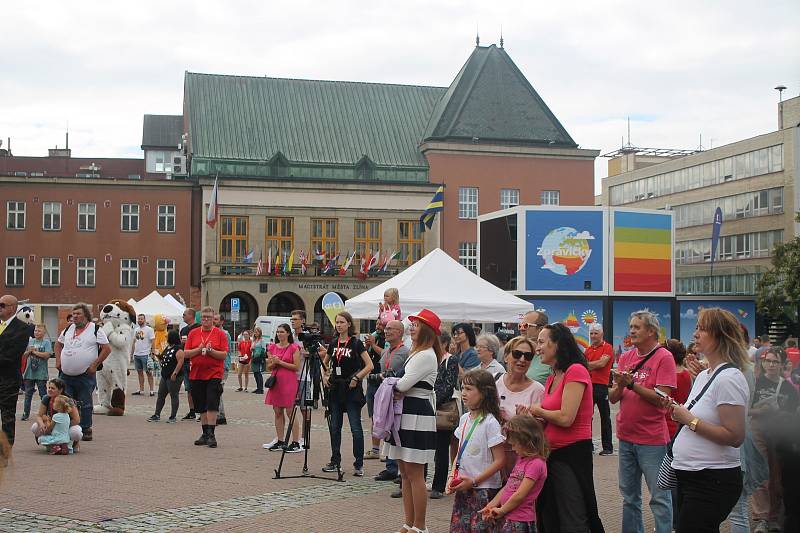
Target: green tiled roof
162,131
492,100
239,118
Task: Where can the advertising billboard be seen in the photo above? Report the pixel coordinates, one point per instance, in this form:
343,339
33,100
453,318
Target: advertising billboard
744,310
622,310
641,249
577,314
565,251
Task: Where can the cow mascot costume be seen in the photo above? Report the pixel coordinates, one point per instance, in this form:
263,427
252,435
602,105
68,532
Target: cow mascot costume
118,318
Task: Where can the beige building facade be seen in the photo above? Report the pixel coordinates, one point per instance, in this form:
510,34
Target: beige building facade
754,182
283,215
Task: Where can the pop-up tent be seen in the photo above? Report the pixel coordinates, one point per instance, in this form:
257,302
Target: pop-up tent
441,284
155,304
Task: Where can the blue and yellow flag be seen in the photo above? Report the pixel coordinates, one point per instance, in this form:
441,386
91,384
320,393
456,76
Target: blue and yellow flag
434,206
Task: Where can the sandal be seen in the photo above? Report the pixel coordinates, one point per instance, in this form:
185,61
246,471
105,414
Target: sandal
406,527
418,530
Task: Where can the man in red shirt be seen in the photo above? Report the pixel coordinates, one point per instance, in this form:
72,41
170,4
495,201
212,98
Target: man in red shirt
600,356
641,427
206,349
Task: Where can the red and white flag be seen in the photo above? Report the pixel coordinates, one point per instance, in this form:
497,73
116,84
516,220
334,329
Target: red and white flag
373,261
269,261
346,265
260,265
303,262
213,206
388,261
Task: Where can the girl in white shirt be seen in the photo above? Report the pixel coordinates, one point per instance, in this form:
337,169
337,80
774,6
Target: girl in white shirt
706,449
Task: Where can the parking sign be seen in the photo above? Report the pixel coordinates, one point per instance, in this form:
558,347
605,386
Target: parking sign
235,304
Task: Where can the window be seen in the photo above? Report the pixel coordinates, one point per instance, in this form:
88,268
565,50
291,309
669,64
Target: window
280,236
325,236
51,272
163,161
16,215
166,219
410,241
165,273
15,271
51,216
367,237
468,255
233,238
129,273
86,271
130,217
87,217
551,197
509,198
467,202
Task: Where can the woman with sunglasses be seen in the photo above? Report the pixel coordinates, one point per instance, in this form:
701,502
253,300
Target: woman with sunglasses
516,390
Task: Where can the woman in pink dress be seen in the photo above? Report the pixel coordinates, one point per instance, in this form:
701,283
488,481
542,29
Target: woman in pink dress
283,359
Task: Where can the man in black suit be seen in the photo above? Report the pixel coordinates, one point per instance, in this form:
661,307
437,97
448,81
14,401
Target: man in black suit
14,337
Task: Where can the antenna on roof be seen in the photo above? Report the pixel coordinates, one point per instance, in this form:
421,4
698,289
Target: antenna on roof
501,36
68,135
477,36
629,131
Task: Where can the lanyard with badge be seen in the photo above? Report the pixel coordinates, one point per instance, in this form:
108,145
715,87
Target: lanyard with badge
339,355
464,441
391,356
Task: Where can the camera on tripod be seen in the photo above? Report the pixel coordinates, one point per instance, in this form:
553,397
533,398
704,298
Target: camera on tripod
311,339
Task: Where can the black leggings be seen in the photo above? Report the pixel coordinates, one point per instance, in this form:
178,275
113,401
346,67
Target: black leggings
173,387
706,497
441,461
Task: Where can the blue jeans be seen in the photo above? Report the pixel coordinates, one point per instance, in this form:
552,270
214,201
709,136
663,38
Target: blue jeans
635,460
353,409
30,385
80,389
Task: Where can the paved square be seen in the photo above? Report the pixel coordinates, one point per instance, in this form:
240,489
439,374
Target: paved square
139,476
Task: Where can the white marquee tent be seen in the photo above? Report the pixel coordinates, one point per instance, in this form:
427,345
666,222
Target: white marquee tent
155,304
443,285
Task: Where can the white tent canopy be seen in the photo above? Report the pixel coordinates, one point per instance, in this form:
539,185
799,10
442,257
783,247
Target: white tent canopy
175,303
441,284
155,304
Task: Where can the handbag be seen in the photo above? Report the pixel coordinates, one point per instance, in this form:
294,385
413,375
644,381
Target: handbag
447,415
270,381
667,477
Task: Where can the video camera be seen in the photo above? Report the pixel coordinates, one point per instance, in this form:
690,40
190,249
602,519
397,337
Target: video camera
311,339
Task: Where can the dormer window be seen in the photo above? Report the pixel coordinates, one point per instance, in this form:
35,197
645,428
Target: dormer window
278,166
365,168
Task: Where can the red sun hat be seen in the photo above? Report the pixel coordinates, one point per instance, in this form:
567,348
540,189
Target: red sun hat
426,316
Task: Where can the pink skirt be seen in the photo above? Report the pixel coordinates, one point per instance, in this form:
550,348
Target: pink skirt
285,389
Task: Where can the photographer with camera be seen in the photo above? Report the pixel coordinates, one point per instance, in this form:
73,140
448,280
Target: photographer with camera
303,336
347,362
375,343
390,365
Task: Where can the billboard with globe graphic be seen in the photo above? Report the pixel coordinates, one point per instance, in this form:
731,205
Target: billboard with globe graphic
565,250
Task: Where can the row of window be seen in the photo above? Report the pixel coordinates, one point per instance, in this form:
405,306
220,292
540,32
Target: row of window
746,205
720,284
730,247
234,238
468,255
468,200
86,271
746,165
16,217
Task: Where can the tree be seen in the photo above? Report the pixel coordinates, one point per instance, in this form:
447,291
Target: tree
778,291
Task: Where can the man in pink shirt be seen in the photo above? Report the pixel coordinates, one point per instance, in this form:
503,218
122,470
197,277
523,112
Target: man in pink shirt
641,427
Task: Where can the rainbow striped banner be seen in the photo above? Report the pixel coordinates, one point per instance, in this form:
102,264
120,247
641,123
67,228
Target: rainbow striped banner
642,252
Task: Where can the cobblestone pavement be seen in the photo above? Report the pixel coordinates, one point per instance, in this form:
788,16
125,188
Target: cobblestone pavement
137,476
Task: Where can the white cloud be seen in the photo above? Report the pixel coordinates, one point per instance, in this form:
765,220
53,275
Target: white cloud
101,65
690,314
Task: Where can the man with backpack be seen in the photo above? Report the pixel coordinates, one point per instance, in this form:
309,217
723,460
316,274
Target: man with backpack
80,350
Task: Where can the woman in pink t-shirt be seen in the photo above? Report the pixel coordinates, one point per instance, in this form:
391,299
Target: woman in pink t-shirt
567,501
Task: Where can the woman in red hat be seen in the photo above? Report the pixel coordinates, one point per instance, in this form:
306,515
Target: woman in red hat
417,444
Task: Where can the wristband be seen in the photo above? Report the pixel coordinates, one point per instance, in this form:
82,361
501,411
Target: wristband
630,385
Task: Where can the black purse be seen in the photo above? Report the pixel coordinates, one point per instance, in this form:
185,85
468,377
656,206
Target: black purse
271,381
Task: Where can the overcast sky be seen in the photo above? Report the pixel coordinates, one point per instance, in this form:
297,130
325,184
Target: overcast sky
679,69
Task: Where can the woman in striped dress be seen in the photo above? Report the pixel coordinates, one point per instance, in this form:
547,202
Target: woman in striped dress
417,444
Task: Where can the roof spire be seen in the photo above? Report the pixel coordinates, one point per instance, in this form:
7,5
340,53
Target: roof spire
501,36
477,36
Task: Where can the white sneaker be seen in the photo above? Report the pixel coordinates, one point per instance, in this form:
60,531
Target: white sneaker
270,444
302,442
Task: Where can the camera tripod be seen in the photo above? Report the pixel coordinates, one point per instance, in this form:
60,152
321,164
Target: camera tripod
309,392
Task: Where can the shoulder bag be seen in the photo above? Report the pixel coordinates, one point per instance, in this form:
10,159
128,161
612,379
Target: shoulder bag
667,478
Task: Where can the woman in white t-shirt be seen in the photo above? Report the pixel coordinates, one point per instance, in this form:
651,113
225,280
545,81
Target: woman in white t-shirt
516,389
706,450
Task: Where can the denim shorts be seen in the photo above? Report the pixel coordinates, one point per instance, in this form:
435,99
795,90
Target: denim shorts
140,362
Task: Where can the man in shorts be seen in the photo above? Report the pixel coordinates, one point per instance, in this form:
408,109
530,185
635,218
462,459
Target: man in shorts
141,348
206,348
188,317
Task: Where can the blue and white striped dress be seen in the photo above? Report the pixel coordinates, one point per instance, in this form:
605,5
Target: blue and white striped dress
418,422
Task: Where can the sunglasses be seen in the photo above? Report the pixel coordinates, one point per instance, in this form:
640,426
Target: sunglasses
516,354
523,326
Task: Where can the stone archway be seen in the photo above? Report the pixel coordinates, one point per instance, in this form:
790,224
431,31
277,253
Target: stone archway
248,312
322,319
283,303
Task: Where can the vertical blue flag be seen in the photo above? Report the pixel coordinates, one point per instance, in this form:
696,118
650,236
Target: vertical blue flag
715,229
434,206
